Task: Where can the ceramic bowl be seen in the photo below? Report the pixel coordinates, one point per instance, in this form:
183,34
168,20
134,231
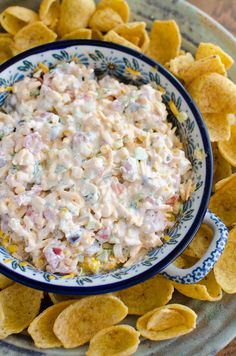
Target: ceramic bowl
130,67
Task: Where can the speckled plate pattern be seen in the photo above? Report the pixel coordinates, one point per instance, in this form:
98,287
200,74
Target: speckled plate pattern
216,325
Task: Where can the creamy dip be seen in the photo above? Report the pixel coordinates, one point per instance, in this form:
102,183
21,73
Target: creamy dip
92,175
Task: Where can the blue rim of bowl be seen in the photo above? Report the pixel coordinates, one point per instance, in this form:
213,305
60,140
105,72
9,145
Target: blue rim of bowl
111,287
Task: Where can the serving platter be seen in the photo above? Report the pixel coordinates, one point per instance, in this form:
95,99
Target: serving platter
216,324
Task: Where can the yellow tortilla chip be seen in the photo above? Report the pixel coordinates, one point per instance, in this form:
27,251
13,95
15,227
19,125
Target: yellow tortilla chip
14,18
19,305
167,322
199,245
120,6
210,64
143,297
144,42
41,328
228,148
112,36
207,289
223,202
218,126
222,168
222,182
165,41
97,35
163,319
80,34
179,64
75,14
132,31
49,12
33,35
208,49
5,282
225,267
119,340
105,19
58,298
6,48
213,93
78,323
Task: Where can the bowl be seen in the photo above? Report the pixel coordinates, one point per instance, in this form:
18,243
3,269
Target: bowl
130,67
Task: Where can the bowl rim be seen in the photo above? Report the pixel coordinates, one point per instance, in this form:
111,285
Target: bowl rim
197,220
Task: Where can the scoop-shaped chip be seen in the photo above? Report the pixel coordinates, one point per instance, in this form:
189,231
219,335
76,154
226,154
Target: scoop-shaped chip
222,182
164,318
223,202
165,41
6,48
180,64
5,282
199,245
58,298
145,296
144,42
14,18
208,49
213,93
206,289
218,126
160,324
120,6
222,168
132,31
119,340
112,36
225,267
41,328
228,148
80,34
75,14
19,305
33,35
212,64
105,19
78,323
49,12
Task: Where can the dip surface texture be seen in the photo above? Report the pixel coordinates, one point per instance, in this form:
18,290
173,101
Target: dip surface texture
92,175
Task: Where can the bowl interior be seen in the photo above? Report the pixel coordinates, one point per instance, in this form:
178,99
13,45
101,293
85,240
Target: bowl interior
130,67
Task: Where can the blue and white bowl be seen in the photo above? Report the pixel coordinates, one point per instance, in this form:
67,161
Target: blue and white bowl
131,67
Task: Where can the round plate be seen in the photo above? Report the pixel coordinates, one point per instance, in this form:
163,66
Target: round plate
216,321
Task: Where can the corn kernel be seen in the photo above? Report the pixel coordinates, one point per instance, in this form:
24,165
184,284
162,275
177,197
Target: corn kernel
4,89
5,241
1,233
64,210
12,248
43,67
67,132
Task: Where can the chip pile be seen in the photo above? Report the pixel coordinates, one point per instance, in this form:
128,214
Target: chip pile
73,321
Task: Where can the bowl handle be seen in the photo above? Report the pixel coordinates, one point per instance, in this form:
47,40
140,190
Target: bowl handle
206,263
